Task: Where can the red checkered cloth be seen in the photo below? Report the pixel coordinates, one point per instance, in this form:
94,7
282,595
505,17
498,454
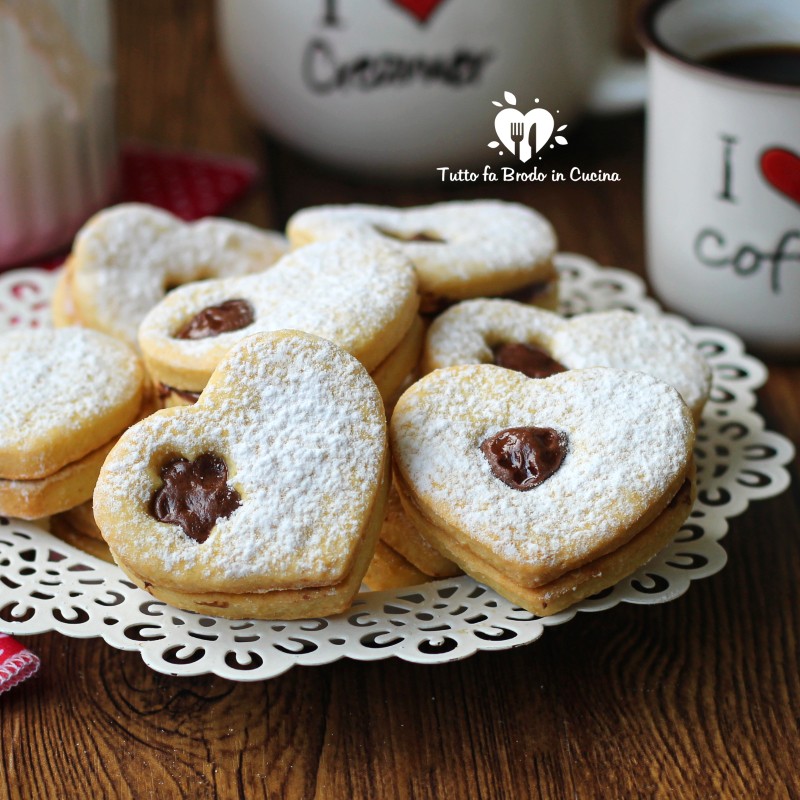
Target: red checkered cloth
17,663
190,185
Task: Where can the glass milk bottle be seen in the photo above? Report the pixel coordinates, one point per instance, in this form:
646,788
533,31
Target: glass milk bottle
58,157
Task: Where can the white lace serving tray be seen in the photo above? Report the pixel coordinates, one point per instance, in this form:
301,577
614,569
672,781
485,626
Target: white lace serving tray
49,585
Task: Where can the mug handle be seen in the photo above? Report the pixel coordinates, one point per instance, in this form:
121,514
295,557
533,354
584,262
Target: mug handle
621,86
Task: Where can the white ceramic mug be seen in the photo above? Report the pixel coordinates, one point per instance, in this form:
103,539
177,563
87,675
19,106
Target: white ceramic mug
723,170
400,87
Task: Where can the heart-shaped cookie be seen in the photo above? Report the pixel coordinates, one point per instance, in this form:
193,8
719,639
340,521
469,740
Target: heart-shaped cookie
460,249
265,498
126,258
361,295
526,483
538,343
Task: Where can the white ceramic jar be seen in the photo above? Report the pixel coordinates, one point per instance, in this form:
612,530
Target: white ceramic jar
400,87
58,156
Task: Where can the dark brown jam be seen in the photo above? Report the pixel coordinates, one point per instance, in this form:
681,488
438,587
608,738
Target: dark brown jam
232,315
431,304
195,495
165,391
528,360
420,236
529,293
524,457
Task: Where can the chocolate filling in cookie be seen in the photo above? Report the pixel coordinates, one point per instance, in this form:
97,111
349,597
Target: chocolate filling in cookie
232,315
165,391
524,457
195,495
529,360
420,236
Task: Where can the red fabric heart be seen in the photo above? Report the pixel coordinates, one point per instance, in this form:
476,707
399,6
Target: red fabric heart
421,9
17,663
781,168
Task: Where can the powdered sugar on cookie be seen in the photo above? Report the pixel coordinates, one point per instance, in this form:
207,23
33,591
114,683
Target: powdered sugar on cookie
126,258
466,334
629,437
449,243
362,295
301,428
58,391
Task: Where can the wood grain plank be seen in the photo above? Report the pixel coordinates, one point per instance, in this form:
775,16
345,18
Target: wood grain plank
696,698
173,90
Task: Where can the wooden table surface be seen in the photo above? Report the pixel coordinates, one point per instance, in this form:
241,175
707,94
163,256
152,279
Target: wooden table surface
699,697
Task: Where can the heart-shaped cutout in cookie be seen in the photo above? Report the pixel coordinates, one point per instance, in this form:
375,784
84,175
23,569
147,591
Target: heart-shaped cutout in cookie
281,489
127,258
627,451
539,343
361,295
523,458
194,495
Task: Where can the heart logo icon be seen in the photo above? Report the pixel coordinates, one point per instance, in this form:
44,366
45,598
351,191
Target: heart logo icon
781,169
420,9
539,119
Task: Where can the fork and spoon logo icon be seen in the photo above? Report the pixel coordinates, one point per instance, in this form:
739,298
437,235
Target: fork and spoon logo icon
524,135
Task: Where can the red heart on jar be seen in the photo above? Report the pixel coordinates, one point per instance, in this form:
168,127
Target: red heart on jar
421,9
781,168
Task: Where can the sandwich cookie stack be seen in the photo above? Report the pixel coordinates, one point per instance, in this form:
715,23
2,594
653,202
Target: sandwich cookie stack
461,250
128,257
546,490
361,295
66,395
263,499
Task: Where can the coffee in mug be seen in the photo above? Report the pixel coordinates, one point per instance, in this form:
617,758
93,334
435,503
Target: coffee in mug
769,63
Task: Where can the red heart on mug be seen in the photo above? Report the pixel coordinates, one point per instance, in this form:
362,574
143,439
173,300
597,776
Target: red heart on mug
781,168
421,9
